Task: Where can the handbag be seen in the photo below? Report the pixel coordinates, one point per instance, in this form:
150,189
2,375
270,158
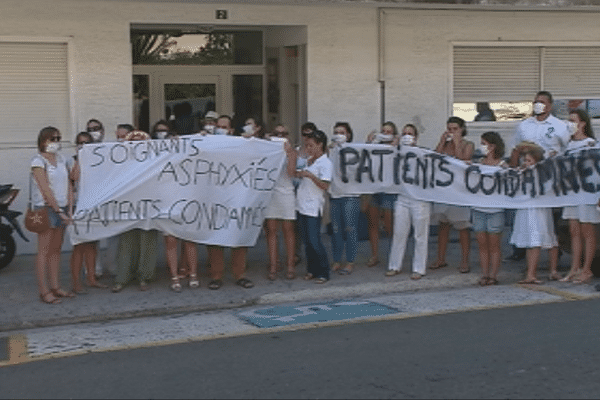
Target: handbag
36,221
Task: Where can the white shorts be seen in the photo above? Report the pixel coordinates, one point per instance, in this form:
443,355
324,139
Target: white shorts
457,216
282,206
586,213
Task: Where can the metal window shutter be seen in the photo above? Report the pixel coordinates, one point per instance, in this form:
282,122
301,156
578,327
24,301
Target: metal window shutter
572,72
495,73
34,89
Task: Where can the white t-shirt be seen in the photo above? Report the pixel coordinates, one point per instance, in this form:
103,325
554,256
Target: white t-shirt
284,183
580,144
551,134
58,176
310,198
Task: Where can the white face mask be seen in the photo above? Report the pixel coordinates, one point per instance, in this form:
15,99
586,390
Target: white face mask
571,127
339,138
210,129
248,130
96,135
539,108
408,140
221,131
161,134
53,147
484,149
383,138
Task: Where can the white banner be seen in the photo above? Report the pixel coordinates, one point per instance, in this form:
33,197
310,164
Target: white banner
430,176
205,189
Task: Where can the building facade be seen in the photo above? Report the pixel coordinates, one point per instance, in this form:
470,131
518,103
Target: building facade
63,62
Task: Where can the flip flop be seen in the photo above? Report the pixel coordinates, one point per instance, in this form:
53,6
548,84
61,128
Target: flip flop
245,283
215,284
438,266
530,282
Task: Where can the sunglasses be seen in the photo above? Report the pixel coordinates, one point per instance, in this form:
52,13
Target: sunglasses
55,138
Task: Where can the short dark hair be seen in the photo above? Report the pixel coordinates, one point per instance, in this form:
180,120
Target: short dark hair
495,139
460,122
94,120
545,93
84,134
308,125
127,127
346,126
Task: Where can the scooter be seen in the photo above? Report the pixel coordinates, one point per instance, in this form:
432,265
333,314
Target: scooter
7,243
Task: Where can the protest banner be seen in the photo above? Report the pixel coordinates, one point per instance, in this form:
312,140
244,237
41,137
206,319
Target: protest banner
426,175
205,189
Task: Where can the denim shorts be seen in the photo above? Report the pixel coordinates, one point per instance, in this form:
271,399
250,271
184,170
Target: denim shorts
55,219
488,222
384,200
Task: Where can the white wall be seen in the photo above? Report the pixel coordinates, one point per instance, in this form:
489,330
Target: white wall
341,53
418,54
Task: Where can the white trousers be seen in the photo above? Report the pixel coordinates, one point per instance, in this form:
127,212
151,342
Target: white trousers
409,212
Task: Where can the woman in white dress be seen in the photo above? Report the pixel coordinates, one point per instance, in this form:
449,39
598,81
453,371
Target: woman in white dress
582,217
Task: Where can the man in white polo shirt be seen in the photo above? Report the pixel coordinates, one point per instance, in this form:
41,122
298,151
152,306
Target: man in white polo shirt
542,128
547,131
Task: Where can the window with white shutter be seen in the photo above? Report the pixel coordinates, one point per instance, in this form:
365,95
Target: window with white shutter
34,90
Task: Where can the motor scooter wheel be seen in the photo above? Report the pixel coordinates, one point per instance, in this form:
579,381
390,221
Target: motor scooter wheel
7,249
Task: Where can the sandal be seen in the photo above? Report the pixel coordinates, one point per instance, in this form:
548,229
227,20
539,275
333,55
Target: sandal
438,265
373,261
347,270
492,281
194,282
143,286
415,276
245,283
272,275
484,281
554,277
117,288
52,300
61,293
97,284
336,266
79,291
175,284
392,272
533,281
215,284
308,277
321,280
290,275
463,270
583,279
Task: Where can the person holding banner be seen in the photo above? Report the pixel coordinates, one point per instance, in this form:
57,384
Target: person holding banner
137,247
52,190
279,209
534,227
380,204
216,254
418,213
310,198
582,217
488,222
452,143
344,213
87,251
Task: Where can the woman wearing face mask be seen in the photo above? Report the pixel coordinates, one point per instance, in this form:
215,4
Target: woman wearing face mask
407,212
452,143
344,213
52,189
82,252
96,129
160,130
582,217
253,127
489,222
279,209
380,204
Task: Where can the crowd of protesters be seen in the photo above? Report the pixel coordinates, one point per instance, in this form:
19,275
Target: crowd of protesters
298,204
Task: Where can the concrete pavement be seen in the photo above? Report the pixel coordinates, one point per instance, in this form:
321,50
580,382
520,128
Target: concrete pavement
20,307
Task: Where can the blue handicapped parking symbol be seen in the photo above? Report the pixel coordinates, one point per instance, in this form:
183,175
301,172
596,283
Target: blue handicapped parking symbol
317,312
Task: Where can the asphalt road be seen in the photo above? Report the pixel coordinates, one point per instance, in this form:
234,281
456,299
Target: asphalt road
541,351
